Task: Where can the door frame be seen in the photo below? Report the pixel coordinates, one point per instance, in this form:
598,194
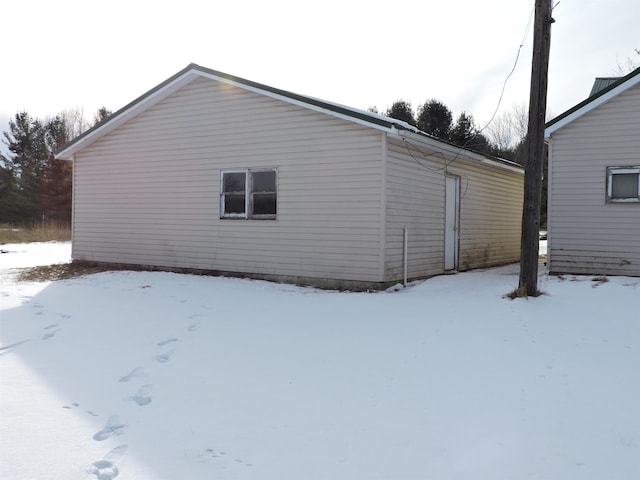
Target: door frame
451,222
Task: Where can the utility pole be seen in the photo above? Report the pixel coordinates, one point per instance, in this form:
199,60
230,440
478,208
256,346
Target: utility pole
530,240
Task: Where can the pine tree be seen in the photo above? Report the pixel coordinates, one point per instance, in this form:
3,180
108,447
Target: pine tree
26,142
435,118
402,110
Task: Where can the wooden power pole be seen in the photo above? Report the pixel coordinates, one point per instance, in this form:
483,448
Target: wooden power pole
530,241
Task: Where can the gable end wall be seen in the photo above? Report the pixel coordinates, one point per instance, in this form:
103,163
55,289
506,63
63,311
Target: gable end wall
148,192
586,234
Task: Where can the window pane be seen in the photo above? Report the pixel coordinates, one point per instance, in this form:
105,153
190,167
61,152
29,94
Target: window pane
624,185
234,203
234,182
264,204
264,181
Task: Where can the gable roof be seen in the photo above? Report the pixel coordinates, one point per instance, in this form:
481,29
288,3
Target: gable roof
614,89
192,72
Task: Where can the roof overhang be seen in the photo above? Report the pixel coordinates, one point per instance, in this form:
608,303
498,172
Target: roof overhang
456,152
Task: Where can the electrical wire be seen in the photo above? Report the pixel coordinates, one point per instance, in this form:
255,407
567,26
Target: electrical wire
478,132
513,69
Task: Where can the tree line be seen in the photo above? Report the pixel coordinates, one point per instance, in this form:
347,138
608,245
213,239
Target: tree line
503,137
35,188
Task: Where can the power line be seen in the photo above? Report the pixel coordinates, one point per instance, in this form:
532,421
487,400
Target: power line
504,86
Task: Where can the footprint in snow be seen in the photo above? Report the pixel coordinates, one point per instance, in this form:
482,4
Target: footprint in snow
50,333
143,397
167,342
107,468
137,372
113,427
164,357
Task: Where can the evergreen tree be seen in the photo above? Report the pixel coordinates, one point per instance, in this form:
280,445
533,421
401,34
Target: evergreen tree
26,142
465,134
402,110
9,201
435,118
57,176
33,186
102,114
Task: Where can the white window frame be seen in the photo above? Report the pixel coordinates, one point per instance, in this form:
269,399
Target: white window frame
611,171
248,195
223,197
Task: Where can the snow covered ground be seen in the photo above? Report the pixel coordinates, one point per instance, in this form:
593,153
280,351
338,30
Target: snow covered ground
150,375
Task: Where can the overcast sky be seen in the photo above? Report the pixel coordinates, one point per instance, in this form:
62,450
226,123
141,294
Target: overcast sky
62,54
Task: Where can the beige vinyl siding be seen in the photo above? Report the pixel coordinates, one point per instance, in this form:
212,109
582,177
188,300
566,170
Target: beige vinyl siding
415,200
491,201
148,192
586,234
490,213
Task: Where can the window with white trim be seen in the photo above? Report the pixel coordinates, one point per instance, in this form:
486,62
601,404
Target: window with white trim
248,194
623,184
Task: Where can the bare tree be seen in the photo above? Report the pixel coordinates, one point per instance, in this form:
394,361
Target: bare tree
508,130
74,121
628,66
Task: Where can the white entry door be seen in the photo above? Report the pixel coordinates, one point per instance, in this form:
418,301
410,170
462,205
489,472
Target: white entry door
451,222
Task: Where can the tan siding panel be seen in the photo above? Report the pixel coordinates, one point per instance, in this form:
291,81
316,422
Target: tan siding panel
490,215
415,195
148,192
586,234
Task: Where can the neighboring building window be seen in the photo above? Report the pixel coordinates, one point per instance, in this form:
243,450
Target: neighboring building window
248,194
623,184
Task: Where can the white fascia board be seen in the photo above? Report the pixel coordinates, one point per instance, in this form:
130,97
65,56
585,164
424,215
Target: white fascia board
457,152
126,113
591,105
303,104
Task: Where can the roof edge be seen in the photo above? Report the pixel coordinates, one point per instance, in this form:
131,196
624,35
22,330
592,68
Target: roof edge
613,90
459,152
118,117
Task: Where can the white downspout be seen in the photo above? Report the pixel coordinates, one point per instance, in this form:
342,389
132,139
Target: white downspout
406,254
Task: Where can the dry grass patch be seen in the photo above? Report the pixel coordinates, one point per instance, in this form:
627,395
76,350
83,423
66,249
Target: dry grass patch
34,233
62,271
597,281
521,292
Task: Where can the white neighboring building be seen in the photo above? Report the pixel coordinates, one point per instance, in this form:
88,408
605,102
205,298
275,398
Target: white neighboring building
593,214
